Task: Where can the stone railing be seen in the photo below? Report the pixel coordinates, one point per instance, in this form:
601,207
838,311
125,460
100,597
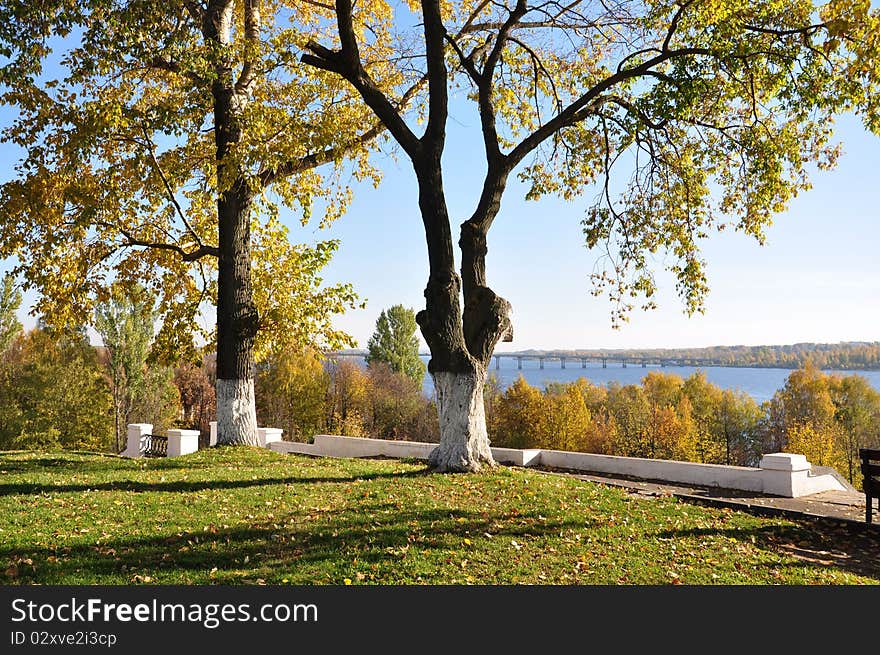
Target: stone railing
778,474
180,442
183,442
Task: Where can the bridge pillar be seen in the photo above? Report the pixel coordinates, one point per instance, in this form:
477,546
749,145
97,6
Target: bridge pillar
624,365
562,361
519,363
604,363
644,364
497,362
583,362
541,360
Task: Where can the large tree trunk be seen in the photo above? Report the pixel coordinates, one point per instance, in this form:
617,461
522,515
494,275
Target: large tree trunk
237,323
464,442
461,344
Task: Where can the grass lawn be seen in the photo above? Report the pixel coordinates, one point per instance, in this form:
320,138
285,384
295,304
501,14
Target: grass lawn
245,515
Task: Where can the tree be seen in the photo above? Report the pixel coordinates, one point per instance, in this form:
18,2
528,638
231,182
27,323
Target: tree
292,389
706,401
395,342
399,407
10,301
518,416
126,326
56,394
738,420
160,149
697,95
631,411
857,413
348,405
199,405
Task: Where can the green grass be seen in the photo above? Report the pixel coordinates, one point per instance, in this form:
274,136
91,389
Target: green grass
252,516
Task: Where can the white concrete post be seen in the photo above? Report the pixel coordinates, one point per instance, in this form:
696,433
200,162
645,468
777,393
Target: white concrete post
268,435
135,433
182,442
213,440
788,474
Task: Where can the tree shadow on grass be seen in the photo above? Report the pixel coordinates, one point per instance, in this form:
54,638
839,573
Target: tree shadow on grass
94,463
811,546
177,486
375,534
48,462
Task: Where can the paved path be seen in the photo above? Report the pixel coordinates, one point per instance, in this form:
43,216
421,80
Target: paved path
841,506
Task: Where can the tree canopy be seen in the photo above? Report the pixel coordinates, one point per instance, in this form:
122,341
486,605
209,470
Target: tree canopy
119,178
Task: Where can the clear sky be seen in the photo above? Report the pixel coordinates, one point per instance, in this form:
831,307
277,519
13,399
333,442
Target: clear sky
817,278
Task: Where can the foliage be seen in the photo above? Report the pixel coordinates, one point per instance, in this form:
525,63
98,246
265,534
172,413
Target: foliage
347,402
397,408
158,400
291,391
395,342
683,117
10,301
250,516
828,418
54,394
198,397
515,417
121,173
305,395
126,326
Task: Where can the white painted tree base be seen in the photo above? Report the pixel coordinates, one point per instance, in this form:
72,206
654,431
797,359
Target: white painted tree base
464,443
236,413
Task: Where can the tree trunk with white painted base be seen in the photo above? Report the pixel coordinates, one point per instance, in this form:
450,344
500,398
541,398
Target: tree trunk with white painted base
464,442
236,413
237,324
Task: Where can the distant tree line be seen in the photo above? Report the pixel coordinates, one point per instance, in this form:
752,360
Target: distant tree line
844,356
305,395
825,417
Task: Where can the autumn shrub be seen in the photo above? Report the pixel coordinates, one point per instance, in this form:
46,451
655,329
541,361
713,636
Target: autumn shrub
291,392
399,408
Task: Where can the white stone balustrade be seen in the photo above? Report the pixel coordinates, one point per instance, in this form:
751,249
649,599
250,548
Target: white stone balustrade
268,435
134,444
182,442
779,474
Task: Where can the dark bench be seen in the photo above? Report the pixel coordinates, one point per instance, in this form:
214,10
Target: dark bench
154,445
871,479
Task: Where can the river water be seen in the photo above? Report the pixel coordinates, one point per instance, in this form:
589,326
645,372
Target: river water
760,383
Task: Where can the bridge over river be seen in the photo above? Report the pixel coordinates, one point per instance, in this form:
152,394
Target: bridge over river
567,358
